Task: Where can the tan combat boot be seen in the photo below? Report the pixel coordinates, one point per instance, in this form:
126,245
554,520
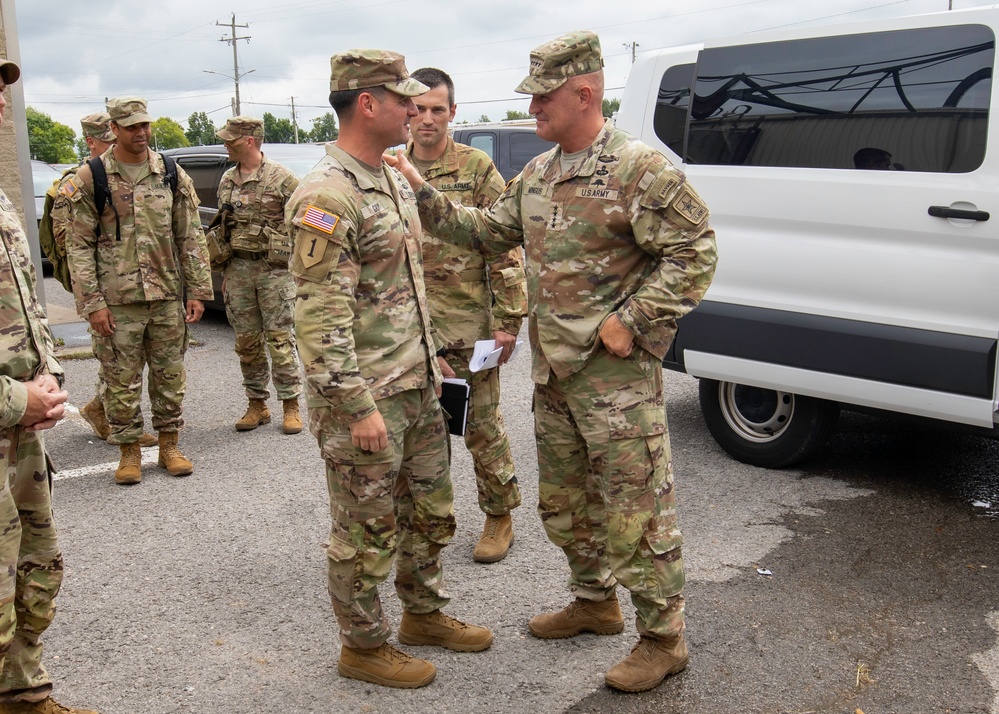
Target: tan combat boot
46,706
93,413
650,661
602,618
256,414
170,457
292,420
147,440
130,467
497,537
385,665
436,628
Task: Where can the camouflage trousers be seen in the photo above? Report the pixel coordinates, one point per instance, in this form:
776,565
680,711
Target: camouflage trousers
606,494
486,439
30,564
146,333
395,504
260,305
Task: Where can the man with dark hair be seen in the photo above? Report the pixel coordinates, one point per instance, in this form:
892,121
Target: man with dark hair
471,300
364,335
31,400
131,265
618,248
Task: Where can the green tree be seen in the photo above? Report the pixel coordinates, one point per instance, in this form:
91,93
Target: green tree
610,106
168,134
323,128
484,118
514,114
48,140
278,131
82,150
200,130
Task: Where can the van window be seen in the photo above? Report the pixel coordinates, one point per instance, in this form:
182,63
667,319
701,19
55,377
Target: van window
670,119
524,146
910,99
484,142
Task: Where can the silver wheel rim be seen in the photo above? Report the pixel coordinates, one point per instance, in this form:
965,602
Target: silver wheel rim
756,414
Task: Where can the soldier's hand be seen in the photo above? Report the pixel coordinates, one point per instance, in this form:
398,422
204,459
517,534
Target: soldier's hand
507,342
46,403
195,309
369,434
400,162
102,322
617,338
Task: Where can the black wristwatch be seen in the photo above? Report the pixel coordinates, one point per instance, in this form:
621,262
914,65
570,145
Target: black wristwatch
442,352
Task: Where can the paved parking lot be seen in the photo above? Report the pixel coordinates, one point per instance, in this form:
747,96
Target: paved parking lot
865,581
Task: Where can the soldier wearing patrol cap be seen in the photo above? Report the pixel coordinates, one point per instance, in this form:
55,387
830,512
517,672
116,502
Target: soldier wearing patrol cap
31,399
364,336
98,136
259,292
131,265
618,248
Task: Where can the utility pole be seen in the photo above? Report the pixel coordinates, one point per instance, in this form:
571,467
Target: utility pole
294,119
632,46
232,39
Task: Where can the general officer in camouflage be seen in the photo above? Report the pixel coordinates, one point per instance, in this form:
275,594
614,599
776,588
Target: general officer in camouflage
131,265
31,400
259,291
618,248
97,134
364,336
471,300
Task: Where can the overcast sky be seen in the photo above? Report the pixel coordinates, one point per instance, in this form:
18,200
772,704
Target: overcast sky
75,53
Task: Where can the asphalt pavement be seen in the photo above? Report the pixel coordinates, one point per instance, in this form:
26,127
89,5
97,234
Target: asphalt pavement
865,581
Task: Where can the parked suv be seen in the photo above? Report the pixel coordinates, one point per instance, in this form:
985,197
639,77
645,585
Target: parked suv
510,146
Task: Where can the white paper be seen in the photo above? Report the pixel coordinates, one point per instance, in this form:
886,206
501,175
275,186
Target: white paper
487,355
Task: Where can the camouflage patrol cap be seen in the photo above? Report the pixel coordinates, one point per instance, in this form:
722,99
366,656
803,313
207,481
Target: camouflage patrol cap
9,71
126,111
362,69
554,62
241,126
98,126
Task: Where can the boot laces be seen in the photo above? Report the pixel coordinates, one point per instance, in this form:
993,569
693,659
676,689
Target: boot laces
492,527
390,653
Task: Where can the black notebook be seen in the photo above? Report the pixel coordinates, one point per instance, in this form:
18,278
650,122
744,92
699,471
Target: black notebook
454,402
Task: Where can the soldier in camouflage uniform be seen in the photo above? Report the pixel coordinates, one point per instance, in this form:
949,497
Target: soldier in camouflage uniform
259,292
31,400
618,248
99,138
471,300
131,265
364,336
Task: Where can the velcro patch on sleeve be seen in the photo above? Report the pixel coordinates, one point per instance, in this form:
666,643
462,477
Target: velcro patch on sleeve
69,188
689,205
320,220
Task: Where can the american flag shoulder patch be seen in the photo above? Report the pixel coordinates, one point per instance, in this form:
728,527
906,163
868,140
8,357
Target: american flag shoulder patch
68,188
319,219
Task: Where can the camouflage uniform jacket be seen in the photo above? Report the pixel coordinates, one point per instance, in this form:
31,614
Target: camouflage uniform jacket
361,317
622,232
468,297
25,339
60,213
257,203
157,228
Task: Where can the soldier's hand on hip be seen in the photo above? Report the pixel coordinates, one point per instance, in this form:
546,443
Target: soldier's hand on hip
617,338
102,322
195,309
369,434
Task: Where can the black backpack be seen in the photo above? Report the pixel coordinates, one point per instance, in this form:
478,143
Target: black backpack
102,192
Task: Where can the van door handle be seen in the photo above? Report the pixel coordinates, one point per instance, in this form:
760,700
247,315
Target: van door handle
947,212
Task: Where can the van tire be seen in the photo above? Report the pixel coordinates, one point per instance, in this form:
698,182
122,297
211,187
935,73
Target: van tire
764,427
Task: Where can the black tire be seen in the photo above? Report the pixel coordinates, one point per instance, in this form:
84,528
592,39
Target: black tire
764,427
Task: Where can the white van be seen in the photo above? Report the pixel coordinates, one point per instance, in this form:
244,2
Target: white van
850,172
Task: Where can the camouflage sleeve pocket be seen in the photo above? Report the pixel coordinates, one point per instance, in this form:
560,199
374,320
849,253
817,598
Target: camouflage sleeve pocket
319,230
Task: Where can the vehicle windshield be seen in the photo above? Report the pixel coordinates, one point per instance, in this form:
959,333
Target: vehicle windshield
42,175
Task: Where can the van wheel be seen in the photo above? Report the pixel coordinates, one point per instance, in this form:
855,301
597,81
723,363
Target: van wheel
764,427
